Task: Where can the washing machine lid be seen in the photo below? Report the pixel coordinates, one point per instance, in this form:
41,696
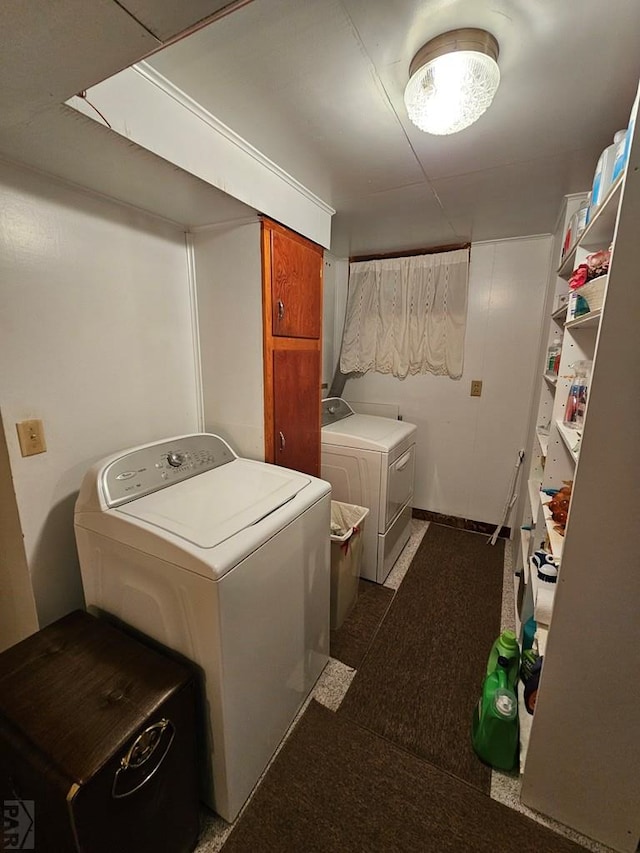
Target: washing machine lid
368,432
211,507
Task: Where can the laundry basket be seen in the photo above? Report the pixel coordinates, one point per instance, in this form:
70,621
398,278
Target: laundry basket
347,525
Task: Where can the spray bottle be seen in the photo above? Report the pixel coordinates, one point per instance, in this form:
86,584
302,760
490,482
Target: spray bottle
577,398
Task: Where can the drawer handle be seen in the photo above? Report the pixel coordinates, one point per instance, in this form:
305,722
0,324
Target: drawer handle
136,768
402,463
282,441
280,309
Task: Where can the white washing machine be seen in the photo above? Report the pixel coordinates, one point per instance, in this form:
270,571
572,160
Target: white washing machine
370,461
227,561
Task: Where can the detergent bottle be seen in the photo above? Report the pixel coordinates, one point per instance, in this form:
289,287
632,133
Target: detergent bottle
506,646
495,720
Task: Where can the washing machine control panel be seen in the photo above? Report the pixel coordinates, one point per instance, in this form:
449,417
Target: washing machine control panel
147,469
335,409
176,459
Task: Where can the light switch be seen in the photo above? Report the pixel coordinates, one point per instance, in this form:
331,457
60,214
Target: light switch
31,437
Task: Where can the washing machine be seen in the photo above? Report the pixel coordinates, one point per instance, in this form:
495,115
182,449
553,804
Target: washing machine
370,461
226,560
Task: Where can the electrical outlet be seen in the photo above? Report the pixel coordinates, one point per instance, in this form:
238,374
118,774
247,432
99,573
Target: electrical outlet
31,437
476,387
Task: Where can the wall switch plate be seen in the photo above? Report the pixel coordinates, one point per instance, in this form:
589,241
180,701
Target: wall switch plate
476,387
31,437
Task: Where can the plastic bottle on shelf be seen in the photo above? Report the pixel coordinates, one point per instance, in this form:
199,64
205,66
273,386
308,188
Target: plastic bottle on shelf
577,399
619,161
581,409
582,217
531,686
569,236
603,176
528,633
578,305
624,143
553,356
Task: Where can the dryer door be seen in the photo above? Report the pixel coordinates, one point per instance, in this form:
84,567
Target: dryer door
399,484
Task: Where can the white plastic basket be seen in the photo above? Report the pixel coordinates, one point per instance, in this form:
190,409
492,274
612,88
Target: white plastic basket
593,291
347,526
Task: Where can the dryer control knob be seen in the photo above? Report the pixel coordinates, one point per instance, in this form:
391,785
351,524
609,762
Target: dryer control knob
176,459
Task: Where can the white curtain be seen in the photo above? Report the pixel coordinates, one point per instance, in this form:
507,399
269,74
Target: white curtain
407,315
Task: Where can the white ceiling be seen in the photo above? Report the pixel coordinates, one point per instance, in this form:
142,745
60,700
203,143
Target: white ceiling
317,86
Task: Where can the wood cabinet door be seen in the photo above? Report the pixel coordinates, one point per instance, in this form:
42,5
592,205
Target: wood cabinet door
296,286
296,398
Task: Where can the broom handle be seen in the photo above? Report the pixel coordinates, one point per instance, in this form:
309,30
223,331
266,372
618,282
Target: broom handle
512,498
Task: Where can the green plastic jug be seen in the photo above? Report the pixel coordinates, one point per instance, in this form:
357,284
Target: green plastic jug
506,646
495,720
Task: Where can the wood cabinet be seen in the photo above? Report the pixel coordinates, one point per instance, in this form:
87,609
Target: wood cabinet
295,277
295,407
260,332
292,309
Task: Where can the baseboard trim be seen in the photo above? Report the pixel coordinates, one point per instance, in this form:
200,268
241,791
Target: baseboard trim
461,523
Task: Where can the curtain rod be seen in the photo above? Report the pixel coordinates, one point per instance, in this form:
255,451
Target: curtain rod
410,253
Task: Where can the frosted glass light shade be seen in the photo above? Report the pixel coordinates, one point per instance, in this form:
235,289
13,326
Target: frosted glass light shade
453,89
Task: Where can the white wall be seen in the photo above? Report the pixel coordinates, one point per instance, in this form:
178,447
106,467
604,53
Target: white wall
336,277
336,280
96,340
229,275
466,446
18,617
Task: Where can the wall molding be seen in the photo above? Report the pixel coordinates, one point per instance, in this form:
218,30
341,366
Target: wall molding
467,524
81,189
227,223
511,239
195,329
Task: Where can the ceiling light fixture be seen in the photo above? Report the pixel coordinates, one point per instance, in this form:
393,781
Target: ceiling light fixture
452,81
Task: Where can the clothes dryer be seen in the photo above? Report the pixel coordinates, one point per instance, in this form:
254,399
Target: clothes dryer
370,461
225,560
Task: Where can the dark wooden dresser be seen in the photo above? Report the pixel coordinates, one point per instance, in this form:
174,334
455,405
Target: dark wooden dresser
97,743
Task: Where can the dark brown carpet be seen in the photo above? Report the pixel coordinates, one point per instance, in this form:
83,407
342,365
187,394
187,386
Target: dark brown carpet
350,642
337,788
421,678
